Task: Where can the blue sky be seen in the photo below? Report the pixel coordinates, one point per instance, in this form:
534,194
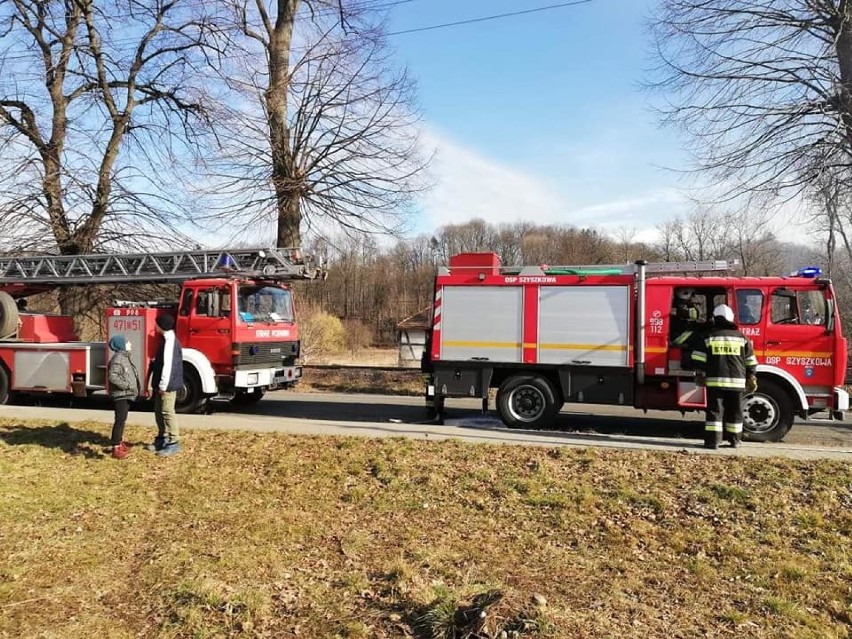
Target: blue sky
541,116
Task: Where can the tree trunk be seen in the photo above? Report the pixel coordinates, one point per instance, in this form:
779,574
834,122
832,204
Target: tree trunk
285,180
76,302
289,219
843,47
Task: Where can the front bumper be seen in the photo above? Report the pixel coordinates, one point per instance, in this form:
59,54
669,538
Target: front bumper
267,377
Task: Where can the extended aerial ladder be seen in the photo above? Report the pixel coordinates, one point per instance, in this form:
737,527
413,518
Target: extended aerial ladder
22,276
156,268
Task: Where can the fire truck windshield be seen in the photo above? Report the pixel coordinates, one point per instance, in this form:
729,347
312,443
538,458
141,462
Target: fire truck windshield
264,304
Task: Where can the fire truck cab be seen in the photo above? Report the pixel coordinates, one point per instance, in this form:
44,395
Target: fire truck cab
544,336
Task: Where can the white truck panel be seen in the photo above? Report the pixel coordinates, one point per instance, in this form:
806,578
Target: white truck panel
584,325
48,366
47,370
482,322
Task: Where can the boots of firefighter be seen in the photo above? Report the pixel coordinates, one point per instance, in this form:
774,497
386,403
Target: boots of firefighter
712,439
733,439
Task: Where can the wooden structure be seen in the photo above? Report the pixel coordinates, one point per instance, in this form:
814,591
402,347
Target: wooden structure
412,337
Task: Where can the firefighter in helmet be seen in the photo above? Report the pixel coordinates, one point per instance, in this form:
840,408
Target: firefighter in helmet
726,365
686,329
684,316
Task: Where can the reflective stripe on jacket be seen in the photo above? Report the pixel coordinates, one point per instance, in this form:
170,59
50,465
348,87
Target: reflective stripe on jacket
726,356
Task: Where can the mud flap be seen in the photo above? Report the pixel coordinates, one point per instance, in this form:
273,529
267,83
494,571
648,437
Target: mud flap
690,395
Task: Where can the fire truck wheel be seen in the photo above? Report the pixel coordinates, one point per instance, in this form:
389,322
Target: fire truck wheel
768,413
527,401
4,385
8,315
247,399
191,397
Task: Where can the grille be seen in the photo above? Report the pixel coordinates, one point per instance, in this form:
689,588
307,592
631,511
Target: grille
267,352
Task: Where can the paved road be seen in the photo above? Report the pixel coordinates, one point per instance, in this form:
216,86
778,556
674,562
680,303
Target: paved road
388,416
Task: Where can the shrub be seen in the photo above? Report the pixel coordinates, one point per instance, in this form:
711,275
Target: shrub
321,333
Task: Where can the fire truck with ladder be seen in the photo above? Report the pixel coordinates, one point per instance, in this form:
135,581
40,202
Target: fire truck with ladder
543,336
234,318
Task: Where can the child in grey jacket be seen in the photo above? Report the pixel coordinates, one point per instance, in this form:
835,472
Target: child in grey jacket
123,388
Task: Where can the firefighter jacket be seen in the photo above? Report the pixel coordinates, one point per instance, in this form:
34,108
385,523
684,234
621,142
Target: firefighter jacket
684,324
726,356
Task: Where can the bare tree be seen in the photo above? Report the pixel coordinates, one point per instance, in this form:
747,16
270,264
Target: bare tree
748,237
473,236
324,134
834,201
706,234
762,88
96,97
668,244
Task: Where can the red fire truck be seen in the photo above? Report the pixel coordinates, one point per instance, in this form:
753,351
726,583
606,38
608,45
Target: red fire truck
543,336
234,317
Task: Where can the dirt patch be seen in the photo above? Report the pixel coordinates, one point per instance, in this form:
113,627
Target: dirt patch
365,357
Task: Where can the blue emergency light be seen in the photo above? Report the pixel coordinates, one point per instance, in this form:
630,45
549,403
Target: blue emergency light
226,262
808,271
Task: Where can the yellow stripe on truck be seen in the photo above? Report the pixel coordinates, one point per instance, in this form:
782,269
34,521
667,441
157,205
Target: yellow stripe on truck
585,347
795,353
564,347
466,344
766,353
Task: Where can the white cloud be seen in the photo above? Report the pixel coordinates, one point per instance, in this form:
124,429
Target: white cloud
470,185
641,212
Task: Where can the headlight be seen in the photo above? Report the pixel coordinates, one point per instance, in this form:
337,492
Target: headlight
253,378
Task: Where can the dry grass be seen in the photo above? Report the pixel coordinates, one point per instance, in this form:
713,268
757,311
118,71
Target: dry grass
384,382
249,535
402,382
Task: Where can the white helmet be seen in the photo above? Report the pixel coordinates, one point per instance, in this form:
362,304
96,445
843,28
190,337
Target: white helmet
724,311
684,294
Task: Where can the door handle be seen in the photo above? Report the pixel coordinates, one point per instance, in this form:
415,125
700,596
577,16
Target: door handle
772,343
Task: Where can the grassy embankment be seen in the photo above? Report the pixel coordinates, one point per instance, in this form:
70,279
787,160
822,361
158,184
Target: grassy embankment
249,535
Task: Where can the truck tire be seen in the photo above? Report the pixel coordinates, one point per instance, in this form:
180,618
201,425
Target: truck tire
241,398
5,393
527,401
191,397
768,413
8,316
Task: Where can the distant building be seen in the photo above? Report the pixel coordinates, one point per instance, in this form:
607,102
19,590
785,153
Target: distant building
412,337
